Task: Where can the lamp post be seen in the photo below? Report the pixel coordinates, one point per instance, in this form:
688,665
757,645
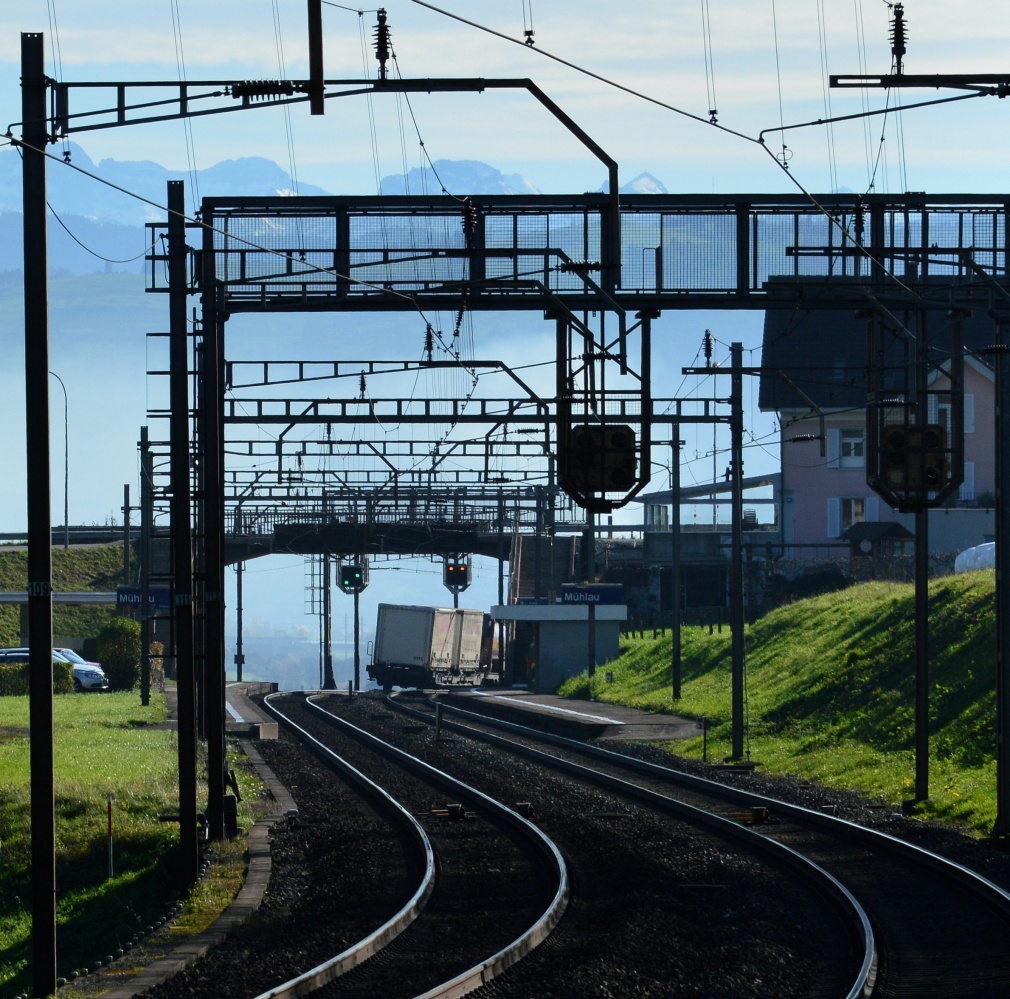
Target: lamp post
66,463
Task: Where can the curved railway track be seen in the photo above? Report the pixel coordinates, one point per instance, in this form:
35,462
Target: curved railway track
665,899
940,927
501,885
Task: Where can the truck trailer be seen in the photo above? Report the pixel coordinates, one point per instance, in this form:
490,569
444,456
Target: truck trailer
430,647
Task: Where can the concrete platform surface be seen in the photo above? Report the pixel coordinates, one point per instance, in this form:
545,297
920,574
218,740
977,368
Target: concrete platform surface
572,718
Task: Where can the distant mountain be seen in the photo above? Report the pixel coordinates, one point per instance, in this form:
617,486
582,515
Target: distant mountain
644,183
98,226
459,177
72,192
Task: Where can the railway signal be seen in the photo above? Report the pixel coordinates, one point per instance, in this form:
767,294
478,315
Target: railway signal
456,572
353,577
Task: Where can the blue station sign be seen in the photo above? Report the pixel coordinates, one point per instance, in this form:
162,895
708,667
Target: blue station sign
597,593
160,597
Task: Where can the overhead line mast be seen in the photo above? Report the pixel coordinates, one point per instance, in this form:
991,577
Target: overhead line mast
997,85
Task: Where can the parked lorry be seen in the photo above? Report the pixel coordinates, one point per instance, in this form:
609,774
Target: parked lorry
430,647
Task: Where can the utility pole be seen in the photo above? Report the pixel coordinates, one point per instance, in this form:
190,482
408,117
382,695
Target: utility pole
126,533
34,111
182,532
676,652
144,564
736,595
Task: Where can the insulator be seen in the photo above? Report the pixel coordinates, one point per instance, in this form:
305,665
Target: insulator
260,90
429,341
898,36
579,266
707,347
860,220
469,221
361,384
382,42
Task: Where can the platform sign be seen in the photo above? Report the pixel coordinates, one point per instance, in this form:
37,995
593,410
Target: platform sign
598,593
160,597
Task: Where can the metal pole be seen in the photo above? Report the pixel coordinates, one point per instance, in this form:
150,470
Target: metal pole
919,382
922,653
328,682
40,601
239,655
66,463
144,568
126,533
736,614
501,582
211,408
357,640
1002,361
676,650
182,529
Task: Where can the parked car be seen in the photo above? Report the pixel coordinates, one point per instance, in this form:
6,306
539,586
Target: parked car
87,676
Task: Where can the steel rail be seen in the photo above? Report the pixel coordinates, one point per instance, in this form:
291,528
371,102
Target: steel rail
984,889
851,912
354,955
483,972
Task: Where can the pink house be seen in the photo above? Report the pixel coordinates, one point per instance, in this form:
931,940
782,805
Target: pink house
815,377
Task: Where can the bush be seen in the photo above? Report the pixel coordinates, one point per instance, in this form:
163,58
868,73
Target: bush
14,679
119,652
157,652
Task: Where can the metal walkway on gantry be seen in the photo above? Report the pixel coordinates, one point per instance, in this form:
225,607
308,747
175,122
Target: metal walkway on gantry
551,252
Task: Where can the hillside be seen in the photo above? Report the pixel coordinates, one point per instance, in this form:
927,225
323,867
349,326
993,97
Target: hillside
93,568
830,692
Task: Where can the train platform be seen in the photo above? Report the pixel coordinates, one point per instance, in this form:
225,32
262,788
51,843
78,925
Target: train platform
583,720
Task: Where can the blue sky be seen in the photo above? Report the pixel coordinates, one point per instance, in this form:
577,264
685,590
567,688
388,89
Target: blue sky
764,64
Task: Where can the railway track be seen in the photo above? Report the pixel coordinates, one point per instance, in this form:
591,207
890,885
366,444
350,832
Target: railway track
940,928
501,885
660,899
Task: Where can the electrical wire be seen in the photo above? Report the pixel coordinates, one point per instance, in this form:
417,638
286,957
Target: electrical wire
187,123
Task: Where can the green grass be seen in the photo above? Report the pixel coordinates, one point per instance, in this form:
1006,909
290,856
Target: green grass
104,745
830,692
98,567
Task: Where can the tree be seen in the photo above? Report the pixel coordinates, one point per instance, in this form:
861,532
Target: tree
119,652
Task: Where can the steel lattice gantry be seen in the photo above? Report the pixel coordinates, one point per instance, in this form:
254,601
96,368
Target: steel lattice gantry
491,459
553,254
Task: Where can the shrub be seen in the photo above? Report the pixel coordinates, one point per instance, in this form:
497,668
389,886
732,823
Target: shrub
119,652
157,651
14,679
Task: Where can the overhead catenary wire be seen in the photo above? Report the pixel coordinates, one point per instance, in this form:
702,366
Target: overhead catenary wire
187,123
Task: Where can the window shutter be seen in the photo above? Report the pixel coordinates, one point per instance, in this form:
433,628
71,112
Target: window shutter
834,449
967,490
969,413
834,517
873,508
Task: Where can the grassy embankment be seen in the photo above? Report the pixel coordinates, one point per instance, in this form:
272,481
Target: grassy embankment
830,692
74,569
104,744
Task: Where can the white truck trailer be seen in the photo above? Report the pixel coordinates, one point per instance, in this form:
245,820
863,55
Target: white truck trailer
430,647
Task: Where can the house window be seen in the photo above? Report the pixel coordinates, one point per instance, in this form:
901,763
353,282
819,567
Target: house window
846,447
851,448
844,511
851,510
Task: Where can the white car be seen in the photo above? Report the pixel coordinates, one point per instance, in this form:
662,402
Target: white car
87,676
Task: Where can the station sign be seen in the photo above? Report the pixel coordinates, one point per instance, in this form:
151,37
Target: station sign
159,597
598,593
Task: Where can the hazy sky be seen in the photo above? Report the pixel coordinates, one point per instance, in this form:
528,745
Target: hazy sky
764,63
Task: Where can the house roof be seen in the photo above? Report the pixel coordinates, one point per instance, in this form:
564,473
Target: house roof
877,531
816,358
